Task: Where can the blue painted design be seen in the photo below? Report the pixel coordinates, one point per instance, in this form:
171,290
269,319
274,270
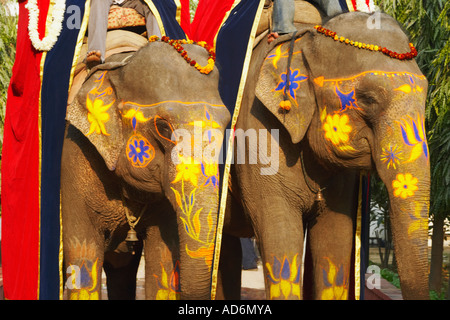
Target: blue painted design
286,270
138,150
294,83
347,99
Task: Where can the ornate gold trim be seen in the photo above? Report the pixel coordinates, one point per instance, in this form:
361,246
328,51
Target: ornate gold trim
223,199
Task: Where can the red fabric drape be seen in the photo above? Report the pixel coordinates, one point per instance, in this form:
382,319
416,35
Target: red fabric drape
208,18
185,17
20,166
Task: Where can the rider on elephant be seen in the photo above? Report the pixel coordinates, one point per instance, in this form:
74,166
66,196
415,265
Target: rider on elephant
98,25
284,12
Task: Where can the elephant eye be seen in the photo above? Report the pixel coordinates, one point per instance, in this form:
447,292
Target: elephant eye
366,98
164,129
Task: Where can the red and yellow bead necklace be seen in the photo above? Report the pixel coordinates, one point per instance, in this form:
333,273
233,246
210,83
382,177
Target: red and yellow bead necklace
177,45
400,56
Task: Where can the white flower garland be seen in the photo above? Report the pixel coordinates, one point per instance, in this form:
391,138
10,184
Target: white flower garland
54,30
361,5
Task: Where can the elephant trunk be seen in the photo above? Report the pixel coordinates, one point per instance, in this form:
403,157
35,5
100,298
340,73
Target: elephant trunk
196,255
196,201
403,165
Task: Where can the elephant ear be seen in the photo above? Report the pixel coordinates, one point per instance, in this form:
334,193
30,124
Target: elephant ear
290,99
95,112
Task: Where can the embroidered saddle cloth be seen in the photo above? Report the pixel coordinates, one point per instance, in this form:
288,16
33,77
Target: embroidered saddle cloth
120,17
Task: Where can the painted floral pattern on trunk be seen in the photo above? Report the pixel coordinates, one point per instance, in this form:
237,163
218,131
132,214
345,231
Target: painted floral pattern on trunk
192,178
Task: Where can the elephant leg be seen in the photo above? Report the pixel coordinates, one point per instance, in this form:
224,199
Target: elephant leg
83,257
281,245
162,261
121,268
229,276
328,257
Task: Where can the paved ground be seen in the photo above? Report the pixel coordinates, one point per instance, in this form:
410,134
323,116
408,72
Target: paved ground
252,284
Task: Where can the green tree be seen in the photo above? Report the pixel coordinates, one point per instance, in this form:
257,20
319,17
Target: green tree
8,33
379,213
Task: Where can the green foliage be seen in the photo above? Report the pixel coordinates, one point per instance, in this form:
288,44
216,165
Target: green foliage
192,7
439,143
437,296
391,276
8,32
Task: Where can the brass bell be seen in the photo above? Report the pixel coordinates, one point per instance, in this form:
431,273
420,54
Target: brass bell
319,196
132,236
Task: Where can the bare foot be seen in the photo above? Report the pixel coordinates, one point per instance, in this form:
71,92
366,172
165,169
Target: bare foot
93,59
272,36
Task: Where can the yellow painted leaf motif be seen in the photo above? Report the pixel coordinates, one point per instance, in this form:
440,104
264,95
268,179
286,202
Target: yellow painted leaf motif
168,288
94,276
413,135
284,278
280,54
277,56
164,279
162,295
205,252
335,282
138,115
197,224
406,88
97,115
177,197
129,114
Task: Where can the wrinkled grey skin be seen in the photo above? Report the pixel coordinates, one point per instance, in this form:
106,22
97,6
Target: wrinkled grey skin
99,182
280,207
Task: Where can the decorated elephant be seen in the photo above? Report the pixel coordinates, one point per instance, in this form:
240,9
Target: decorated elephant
346,98
125,175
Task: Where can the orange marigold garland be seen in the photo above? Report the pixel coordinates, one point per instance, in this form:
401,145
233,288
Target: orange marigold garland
177,45
400,56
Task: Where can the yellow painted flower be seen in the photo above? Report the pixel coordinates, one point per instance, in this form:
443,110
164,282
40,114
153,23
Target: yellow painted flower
405,185
336,128
97,115
188,170
284,278
336,283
